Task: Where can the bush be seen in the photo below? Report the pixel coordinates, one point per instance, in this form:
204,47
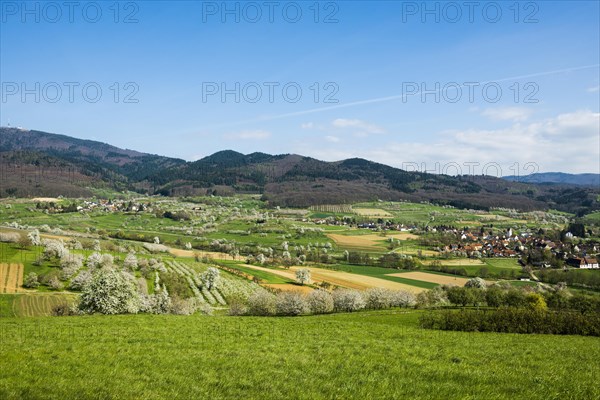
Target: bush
181,306
320,302
79,282
291,304
63,309
261,303
31,281
347,300
535,301
54,283
237,305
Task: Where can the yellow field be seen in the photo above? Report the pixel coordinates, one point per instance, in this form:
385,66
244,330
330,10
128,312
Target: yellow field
11,278
339,278
355,281
433,278
369,241
288,287
371,212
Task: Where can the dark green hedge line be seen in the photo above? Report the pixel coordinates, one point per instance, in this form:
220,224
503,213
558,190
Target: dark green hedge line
513,320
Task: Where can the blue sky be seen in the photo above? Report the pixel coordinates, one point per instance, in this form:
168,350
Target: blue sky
370,61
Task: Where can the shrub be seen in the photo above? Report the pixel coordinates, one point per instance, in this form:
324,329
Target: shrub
130,262
31,281
348,300
320,302
290,303
9,237
535,301
181,306
54,283
82,279
237,305
261,303
63,309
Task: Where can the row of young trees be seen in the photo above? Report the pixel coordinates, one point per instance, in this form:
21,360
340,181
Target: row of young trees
320,301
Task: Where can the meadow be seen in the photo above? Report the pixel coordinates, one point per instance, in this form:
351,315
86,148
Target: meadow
366,355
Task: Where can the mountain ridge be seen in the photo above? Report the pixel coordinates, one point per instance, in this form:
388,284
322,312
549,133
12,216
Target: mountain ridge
283,179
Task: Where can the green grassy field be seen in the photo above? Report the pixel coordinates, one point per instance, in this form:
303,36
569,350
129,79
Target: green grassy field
379,272
377,355
266,277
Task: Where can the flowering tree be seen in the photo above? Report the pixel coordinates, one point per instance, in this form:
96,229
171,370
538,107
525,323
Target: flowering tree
156,240
34,236
110,292
211,278
290,303
303,276
130,262
320,302
348,300
476,283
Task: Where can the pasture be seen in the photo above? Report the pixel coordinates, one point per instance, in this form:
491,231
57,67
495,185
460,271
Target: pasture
366,355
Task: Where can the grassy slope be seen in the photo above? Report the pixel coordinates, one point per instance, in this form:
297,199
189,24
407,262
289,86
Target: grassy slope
365,355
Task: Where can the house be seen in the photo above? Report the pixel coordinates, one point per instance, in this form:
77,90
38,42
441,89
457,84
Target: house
584,263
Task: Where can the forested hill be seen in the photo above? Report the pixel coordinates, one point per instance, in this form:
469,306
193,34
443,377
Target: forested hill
50,164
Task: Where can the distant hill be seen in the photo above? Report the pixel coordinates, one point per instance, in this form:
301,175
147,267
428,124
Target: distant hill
558,177
34,163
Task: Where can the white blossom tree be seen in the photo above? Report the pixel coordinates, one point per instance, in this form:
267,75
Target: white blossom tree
34,237
303,276
110,292
211,278
130,262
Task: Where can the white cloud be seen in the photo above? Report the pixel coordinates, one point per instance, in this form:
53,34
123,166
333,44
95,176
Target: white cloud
514,114
332,139
568,142
249,135
362,127
594,89
307,125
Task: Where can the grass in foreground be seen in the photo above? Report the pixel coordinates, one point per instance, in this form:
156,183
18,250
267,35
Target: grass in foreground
366,355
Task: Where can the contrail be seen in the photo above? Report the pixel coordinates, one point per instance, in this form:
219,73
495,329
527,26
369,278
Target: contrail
402,96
